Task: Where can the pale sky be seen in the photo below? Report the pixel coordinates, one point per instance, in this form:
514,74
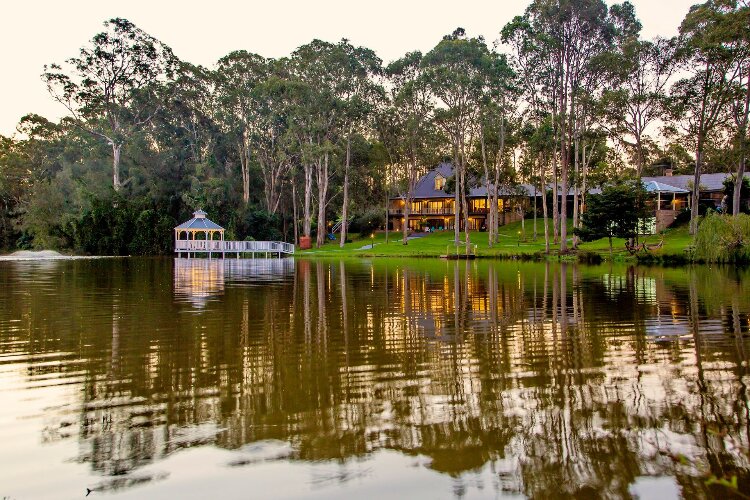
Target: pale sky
35,33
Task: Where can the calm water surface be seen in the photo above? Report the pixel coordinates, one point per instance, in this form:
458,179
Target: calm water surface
161,378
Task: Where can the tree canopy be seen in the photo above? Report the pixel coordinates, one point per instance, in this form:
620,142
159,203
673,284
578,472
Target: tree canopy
573,98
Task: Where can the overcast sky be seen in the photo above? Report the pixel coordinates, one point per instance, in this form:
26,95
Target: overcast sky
35,33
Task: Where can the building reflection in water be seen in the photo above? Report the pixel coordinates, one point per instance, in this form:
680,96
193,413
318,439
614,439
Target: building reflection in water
563,380
200,280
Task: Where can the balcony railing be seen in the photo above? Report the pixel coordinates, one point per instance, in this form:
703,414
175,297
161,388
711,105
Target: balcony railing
437,211
422,211
233,246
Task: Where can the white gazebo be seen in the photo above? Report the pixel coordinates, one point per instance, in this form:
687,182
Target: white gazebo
198,226
199,236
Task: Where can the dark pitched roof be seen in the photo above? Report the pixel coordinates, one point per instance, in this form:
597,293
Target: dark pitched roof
425,187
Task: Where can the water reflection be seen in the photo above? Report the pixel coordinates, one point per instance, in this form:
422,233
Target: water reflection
199,280
538,380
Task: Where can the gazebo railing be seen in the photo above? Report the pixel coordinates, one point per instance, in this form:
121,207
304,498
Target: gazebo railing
233,246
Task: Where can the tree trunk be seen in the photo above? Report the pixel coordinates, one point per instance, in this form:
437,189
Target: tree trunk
555,200
535,213
736,201
405,228
456,201
322,195
695,197
345,207
640,160
245,168
490,237
495,188
387,220
584,173
564,165
294,213
307,209
543,183
464,204
116,151
738,184
576,211
495,211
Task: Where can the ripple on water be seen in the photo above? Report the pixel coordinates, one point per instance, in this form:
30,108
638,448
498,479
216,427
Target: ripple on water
163,377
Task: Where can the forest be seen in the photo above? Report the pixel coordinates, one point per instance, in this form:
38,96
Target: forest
569,96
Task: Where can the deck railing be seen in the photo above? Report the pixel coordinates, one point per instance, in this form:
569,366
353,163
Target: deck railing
422,211
233,246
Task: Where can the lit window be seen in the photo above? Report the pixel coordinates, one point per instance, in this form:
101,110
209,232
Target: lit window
439,182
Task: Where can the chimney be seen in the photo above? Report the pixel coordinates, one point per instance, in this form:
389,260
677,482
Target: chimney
668,172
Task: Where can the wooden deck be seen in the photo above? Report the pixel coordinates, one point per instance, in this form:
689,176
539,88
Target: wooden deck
213,247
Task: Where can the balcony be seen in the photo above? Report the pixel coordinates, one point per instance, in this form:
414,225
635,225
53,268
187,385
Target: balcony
422,211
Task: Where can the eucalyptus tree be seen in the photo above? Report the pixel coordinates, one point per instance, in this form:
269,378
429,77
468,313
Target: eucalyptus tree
455,71
112,88
323,71
191,111
540,145
403,120
728,24
270,136
302,123
640,74
532,60
699,102
498,107
237,75
357,94
568,36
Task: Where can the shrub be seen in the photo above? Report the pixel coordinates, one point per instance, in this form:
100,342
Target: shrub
723,238
366,222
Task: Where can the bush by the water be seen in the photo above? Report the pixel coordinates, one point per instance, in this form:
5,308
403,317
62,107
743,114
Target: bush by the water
723,238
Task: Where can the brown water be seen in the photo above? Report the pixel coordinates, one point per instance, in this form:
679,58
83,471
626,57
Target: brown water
155,378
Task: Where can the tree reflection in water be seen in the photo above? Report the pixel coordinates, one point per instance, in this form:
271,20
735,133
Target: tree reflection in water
563,379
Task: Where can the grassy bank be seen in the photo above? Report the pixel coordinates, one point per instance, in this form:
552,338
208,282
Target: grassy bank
512,244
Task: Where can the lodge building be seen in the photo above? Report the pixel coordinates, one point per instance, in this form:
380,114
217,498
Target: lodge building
433,208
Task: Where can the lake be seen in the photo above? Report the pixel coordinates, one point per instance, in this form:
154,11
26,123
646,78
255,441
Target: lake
164,378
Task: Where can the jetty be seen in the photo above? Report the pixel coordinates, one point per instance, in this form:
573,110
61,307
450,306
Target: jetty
202,236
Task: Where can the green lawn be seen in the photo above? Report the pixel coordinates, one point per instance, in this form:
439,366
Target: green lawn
511,243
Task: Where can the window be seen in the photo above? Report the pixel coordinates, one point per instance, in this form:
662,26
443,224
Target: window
439,182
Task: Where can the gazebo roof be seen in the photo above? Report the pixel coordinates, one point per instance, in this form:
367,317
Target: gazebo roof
199,222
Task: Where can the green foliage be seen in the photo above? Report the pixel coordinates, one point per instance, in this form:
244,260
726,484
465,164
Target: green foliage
615,213
120,227
238,139
723,238
258,224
